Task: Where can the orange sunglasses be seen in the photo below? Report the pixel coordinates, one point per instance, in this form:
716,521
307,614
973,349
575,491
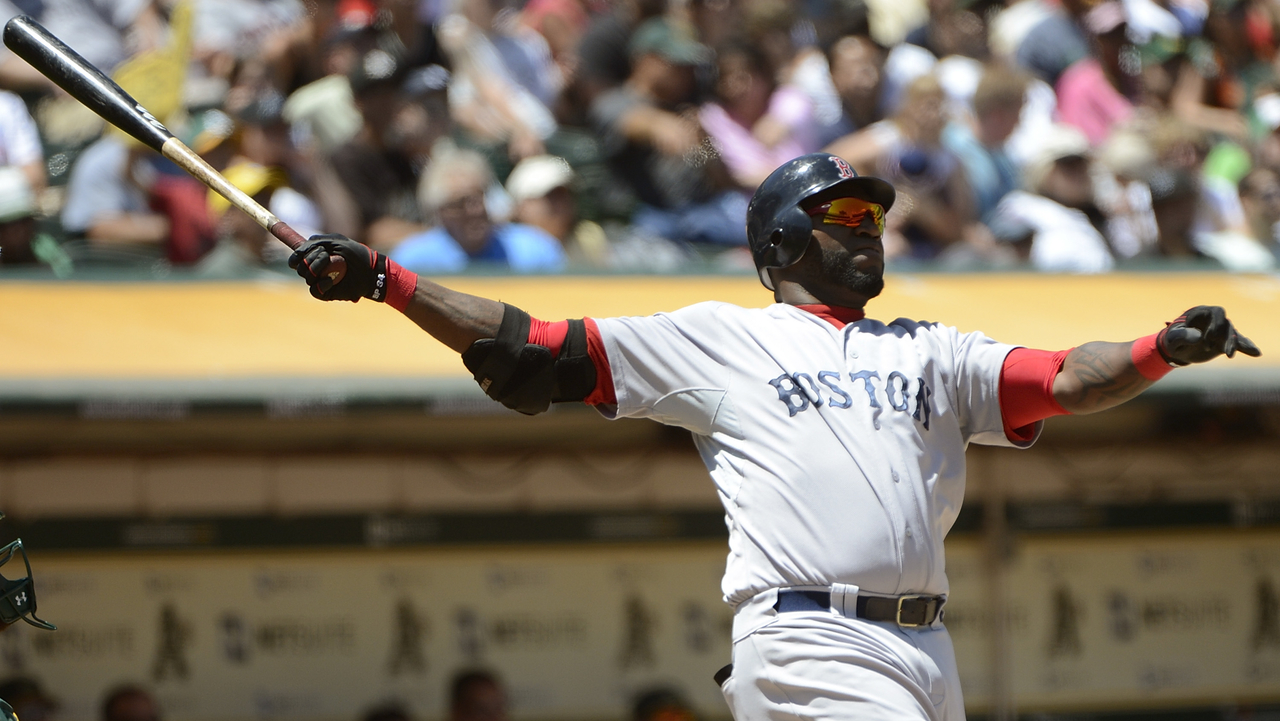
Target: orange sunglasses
850,212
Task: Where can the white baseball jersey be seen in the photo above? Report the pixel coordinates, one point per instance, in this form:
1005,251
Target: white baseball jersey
838,453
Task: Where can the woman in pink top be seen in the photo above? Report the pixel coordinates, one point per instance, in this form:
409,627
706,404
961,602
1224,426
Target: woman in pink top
756,124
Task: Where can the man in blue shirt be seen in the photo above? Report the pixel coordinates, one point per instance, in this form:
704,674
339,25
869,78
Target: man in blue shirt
453,190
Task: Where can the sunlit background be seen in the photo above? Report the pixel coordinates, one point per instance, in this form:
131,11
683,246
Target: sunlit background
253,506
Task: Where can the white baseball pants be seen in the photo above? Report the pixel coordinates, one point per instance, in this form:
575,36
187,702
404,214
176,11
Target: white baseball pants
826,667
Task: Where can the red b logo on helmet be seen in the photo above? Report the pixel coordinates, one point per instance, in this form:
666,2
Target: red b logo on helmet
843,167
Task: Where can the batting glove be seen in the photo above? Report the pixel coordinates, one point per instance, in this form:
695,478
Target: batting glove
366,275
1201,334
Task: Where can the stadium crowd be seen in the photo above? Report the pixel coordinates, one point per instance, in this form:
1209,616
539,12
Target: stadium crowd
627,135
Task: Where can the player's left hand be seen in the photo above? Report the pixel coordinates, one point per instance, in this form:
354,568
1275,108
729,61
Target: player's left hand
1201,334
366,275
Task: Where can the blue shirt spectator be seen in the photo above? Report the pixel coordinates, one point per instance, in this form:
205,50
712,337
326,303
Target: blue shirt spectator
523,248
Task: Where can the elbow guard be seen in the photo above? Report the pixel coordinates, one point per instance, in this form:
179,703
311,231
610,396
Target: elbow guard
525,377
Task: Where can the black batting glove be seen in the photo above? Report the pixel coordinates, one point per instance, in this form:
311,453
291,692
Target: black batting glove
366,275
1201,334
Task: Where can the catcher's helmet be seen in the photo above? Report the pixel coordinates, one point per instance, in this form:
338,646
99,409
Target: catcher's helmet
18,595
778,229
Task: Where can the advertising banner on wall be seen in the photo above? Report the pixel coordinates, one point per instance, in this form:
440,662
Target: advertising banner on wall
577,631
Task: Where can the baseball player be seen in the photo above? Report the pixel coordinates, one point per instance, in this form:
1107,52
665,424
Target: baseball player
836,442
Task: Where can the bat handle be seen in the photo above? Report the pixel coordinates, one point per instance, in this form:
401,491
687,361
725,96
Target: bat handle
293,239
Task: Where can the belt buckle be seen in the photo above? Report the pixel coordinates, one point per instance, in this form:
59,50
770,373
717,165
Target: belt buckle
905,624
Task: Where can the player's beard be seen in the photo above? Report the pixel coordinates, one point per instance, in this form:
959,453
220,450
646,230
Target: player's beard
842,267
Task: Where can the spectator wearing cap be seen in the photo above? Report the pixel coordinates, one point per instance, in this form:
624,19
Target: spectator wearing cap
453,190
1094,93
541,190
380,178
653,144
1050,223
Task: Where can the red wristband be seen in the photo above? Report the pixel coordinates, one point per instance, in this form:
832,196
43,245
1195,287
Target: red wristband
1146,356
401,284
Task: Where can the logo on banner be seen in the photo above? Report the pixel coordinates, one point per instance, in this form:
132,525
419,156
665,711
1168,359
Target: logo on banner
171,652
637,648
410,634
1266,630
466,625
1064,639
236,641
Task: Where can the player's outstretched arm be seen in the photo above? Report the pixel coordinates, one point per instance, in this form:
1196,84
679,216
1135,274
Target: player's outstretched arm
1097,376
455,319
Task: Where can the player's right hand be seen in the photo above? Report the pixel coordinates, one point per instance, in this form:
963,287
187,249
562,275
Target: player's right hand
366,275
1202,334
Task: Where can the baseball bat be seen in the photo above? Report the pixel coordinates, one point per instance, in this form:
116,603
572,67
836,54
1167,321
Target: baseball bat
84,82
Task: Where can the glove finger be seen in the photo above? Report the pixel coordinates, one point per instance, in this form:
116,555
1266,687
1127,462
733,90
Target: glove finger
1200,316
314,264
1229,347
1247,347
1217,330
1180,337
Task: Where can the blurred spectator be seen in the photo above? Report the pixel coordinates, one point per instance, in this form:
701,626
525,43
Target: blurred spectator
244,247
788,41
1173,200
453,190
127,210
604,58
1222,73
756,124
17,221
20,141
856,62
1260,196
129,703
654,145
477,695
562,23
661,704
1051,225
1094,92
1054,40
388,712
1126,161
104,32
504,82
997,108
28,699
379,176
541,189
907,151
325,110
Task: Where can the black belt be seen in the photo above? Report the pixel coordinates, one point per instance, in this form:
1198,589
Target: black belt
908,611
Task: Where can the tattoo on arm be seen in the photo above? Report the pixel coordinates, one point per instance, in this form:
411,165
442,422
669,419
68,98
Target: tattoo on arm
1097,376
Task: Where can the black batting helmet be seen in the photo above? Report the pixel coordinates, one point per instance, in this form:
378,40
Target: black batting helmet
778,229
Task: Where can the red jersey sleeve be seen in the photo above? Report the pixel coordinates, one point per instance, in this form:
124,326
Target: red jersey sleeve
1026,390
552,335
